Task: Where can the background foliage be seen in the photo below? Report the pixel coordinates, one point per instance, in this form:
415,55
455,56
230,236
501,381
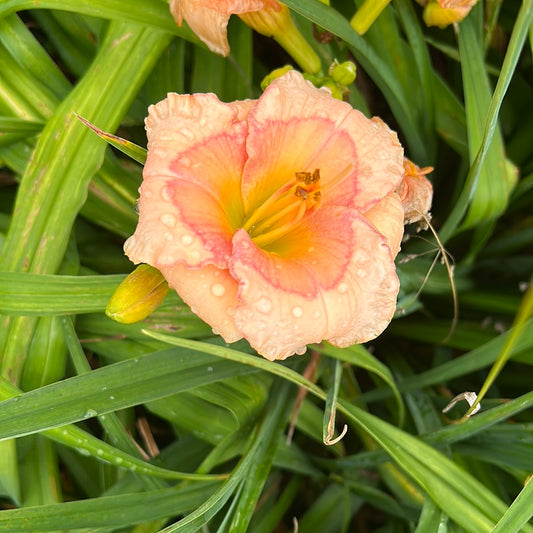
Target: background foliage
104,427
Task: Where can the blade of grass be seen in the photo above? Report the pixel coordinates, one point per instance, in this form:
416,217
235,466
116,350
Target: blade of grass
519,512
516,43
50,294
457,493
108,511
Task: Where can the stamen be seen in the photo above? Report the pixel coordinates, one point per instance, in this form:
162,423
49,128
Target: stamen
264,239
287,207
260,211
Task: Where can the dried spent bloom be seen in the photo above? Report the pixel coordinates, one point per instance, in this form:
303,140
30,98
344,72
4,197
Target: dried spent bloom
275,219
208,19
442,13
416,193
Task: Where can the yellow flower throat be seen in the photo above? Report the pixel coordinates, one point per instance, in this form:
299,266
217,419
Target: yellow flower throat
284,209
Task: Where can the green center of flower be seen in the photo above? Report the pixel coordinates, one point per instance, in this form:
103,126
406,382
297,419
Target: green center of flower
284,209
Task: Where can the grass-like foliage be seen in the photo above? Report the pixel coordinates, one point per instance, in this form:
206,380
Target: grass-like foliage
159,425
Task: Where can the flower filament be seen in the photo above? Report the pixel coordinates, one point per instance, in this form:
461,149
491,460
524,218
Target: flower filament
284,209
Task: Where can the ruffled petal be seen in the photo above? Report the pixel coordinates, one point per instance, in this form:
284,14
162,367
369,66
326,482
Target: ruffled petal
190,200
387,217
295,127
211,293
339,283
208,24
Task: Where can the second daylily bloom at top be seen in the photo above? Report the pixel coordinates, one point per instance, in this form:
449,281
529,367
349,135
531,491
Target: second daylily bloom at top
277,219
209,20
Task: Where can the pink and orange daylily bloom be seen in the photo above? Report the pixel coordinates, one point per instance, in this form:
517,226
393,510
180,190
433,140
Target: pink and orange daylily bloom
277,219
209,18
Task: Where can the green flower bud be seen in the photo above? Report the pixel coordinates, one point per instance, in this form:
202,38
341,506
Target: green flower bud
343,73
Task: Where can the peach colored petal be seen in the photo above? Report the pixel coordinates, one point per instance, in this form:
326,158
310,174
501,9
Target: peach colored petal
211,294
387,217
371,157
208,24
285,304
190,193
235,6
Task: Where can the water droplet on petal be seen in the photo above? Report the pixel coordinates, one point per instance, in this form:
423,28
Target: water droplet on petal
316,315
168,220
297,312
168,236
264,305
165,194
342,288
301,350
147,194
218,290
361,273
186,240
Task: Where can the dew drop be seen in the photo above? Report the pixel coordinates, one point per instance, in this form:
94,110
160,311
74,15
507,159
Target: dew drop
99,452
210,369
218,290
147,194
89,413
301,350
361,273
316,315
342,288
186,240
297,312
165,194
168,220
264,305
83,451
168,236
118,460
111,397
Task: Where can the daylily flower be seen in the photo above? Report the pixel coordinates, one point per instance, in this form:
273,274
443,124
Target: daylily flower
442,13
275,219
208,19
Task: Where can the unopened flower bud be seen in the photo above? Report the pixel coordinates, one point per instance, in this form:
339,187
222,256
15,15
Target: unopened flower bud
138,295
343,73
